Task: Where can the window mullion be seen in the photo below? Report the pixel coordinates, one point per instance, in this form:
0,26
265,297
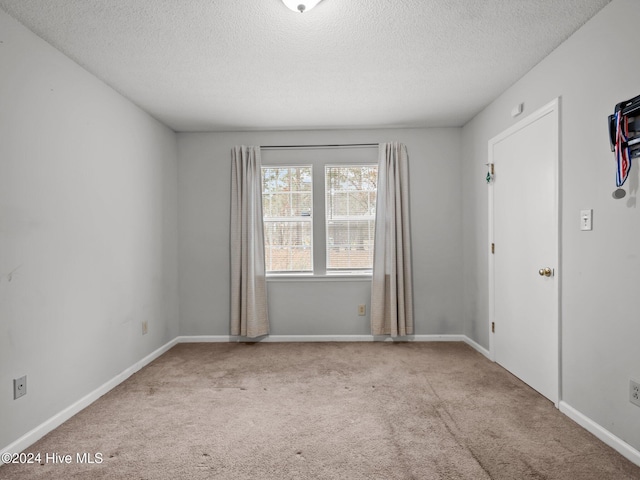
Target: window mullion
319,227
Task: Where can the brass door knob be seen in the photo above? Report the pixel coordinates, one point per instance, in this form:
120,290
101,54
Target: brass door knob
545,272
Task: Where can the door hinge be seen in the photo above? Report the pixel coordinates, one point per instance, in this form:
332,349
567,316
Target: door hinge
493,327
492,170
493,248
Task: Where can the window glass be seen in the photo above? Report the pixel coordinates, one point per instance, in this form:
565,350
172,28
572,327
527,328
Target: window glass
287,202
350,198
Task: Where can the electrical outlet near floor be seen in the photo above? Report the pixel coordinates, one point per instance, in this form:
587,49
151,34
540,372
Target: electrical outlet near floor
145,327
634,392
362,310
19,387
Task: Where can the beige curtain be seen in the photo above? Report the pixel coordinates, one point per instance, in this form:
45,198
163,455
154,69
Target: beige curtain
392,289
249,315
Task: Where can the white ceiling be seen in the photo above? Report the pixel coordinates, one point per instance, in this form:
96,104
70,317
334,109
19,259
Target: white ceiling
204,65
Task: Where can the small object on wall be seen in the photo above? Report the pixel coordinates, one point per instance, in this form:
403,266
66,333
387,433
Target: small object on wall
517,110
634,392
585,220
624,137
19,387
489,177
618,193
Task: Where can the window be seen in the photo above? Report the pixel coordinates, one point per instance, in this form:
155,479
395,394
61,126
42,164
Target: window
288,221
350,216
341,195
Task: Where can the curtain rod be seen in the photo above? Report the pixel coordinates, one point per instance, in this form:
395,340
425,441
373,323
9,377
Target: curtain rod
269,147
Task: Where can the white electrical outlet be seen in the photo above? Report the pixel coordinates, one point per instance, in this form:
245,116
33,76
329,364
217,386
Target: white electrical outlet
634,392
19,387
362,310
145,327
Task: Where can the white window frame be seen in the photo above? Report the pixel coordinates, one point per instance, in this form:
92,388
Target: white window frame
334,271
304,219
318,158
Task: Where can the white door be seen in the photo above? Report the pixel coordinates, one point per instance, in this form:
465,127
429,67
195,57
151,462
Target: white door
523,203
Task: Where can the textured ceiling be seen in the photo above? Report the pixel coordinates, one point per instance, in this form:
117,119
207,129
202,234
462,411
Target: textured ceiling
203,65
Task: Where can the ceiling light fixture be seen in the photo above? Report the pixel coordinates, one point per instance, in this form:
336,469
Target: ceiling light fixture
301,5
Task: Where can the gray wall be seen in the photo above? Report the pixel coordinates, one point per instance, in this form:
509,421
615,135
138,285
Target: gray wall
88,243
312,306
591,72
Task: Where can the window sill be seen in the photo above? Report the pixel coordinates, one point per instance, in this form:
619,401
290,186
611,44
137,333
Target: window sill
303,277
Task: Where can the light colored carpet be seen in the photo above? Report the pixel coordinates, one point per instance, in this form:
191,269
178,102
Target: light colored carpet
325,411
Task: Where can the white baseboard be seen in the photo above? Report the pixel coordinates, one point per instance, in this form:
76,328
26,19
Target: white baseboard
477,347
41,430
204,339
335,338
324,338
273,338
438,338
601,433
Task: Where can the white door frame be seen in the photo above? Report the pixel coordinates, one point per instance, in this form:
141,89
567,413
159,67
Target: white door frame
552,108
